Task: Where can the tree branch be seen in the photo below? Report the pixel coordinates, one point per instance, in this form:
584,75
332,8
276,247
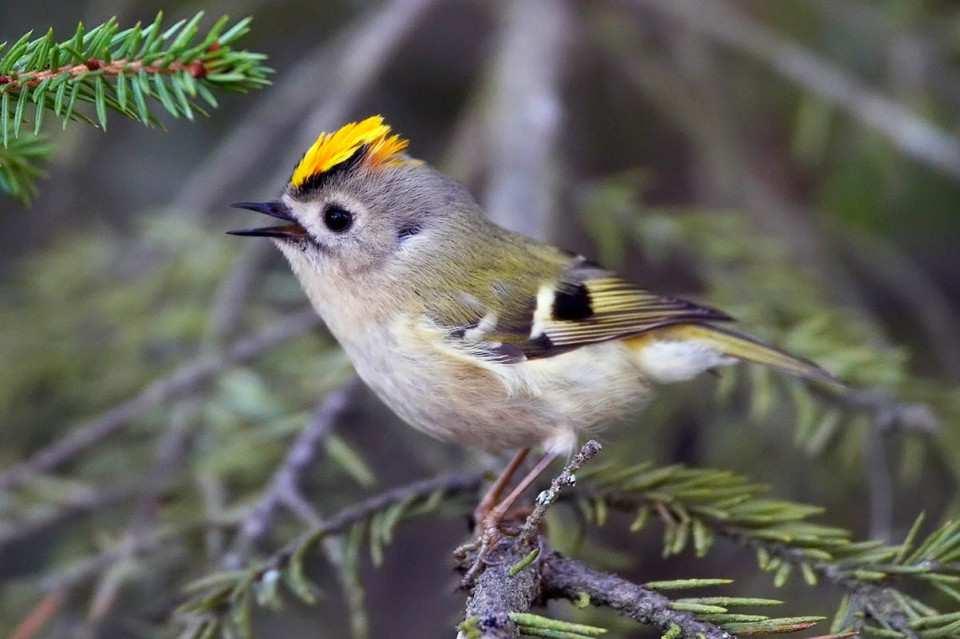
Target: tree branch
496,593
567,579
46,517
498,586
524,118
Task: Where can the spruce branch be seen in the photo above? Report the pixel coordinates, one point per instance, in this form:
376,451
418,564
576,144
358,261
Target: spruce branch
697,505
128,72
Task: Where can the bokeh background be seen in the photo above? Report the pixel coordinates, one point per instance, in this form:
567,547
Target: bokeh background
796,163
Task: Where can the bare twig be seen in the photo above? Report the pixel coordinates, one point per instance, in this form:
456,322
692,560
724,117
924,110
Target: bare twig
929,49
568,579
913,135
547,498
886,410
181,382
87,568
523,121
284,487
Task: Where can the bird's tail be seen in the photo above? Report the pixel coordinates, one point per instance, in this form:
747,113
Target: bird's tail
742,347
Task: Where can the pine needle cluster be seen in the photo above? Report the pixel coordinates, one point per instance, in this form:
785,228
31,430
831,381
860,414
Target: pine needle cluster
126,71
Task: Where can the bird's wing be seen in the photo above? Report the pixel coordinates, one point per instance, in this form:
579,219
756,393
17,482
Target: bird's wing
578,304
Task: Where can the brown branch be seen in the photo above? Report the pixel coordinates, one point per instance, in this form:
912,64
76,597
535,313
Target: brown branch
181,382
103,67
496,586
39,616
497,592
568,579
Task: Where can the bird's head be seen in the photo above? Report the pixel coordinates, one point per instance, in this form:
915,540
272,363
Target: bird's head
356,203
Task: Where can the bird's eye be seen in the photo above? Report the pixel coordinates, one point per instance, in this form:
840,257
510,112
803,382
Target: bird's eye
337,219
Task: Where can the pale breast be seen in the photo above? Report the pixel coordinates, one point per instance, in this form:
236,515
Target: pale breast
454,395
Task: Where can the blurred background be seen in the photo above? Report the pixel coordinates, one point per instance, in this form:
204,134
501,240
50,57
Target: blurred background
796,163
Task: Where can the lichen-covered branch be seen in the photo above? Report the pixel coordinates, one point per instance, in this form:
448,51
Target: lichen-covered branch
496,592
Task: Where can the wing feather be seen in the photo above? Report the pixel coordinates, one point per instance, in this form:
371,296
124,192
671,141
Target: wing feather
581,304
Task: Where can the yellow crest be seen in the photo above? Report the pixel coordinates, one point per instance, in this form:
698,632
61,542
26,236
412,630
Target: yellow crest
330,149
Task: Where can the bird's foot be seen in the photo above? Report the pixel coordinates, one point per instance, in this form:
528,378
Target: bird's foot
493,529
485,543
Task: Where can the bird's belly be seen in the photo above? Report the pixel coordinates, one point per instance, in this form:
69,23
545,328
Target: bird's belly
498,406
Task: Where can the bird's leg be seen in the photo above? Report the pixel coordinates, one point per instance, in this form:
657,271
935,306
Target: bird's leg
490,525
492,496
490,499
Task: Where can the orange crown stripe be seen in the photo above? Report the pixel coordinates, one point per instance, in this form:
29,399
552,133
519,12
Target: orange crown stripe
330,149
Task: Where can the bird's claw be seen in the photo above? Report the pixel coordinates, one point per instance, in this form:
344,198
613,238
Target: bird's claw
483,544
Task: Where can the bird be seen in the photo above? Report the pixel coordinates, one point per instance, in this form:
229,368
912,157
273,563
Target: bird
474,334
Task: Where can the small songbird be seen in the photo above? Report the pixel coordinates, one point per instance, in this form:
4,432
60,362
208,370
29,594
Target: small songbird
472,333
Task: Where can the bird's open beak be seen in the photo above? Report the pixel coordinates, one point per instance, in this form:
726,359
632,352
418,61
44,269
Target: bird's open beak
279,210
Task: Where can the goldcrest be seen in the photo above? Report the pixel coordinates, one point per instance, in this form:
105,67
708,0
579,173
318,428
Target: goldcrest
472,333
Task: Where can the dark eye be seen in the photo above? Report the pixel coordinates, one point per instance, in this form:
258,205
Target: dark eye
408,231
337,219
